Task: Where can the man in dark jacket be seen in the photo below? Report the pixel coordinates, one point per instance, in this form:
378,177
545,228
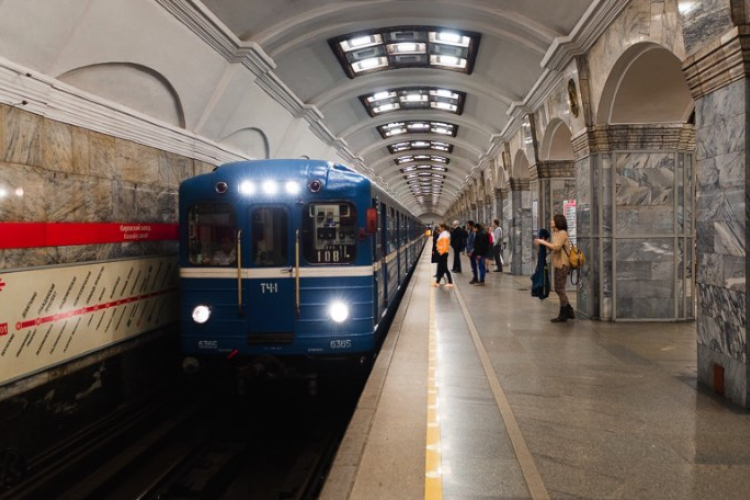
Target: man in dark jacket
458,243
470,250
482,249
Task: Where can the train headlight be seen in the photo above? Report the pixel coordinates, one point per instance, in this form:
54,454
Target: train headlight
339,312
247,187
292,187
270,187
201,314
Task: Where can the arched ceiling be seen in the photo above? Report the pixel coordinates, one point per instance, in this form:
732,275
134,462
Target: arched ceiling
515,35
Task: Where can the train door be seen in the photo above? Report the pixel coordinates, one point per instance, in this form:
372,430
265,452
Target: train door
269,286
377,255
384,244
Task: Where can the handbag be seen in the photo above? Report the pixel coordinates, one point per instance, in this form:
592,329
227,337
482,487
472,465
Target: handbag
577,259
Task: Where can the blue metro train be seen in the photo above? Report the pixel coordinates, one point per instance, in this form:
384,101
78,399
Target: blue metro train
287,266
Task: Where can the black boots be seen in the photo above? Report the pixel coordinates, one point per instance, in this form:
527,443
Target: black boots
566,313
569,312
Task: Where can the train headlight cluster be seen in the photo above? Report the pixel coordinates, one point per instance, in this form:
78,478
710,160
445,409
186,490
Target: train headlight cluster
201,314
247,187
269,187
339,312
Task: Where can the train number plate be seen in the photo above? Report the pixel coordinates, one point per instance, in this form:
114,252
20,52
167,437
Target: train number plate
341,344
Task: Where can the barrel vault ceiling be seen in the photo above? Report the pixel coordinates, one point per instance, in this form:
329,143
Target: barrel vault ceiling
307,40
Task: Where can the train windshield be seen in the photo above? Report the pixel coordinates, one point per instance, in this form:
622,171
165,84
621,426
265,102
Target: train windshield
329,232
270,236
212,233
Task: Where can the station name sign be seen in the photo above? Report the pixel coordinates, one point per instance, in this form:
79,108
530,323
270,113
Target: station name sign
55,234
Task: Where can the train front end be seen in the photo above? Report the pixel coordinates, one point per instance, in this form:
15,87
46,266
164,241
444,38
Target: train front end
276,267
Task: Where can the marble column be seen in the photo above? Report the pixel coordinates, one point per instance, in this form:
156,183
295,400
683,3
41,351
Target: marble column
635,221
506,220
718,78
521,237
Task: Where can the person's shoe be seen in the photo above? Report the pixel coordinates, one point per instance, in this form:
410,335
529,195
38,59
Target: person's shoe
473,282
562,316
436,285
449,285
458,271
497,271
479,283
570,312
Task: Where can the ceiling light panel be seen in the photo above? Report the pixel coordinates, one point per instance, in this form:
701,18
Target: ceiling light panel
400,147
421,157
417,127
406,47
414,98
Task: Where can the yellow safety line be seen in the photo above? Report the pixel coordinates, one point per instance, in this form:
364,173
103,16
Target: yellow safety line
433,480
534,481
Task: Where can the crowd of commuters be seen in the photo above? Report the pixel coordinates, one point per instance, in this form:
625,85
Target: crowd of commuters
476,241
484,246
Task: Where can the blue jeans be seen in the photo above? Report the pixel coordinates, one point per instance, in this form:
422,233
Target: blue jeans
482,269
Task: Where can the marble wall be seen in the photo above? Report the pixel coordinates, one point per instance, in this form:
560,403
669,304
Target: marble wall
648,238
56,172
721,226
703,21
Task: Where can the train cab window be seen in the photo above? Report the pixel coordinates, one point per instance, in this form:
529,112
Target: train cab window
270,236
212,235
329,233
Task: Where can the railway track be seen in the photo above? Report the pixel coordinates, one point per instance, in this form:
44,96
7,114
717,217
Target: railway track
275,442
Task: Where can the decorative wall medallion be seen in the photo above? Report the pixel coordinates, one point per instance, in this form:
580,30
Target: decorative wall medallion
573,97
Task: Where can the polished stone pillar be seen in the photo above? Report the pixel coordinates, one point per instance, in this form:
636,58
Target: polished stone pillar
521,237
718,78
635,221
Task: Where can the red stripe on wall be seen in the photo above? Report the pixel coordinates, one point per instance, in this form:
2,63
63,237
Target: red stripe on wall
40,234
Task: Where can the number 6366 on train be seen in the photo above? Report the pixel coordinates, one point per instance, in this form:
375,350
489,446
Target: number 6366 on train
287,266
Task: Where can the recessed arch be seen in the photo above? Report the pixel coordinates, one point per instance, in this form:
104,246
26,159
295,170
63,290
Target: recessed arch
520,168
556,144
138,87
251,141
646,85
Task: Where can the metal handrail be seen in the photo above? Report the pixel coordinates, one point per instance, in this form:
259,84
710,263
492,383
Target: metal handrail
296,270
239,274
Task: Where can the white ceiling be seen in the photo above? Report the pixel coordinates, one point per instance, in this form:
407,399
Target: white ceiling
515,36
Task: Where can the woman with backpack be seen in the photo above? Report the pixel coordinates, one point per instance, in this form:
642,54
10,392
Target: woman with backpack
560,247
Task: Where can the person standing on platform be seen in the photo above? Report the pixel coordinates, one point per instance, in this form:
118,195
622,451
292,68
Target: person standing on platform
458,243
443,248
470,235
497,245
560,247
435,256
482,249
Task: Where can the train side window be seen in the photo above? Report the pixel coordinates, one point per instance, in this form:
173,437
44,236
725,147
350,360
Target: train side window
392,243
329,233
269,236
212,230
